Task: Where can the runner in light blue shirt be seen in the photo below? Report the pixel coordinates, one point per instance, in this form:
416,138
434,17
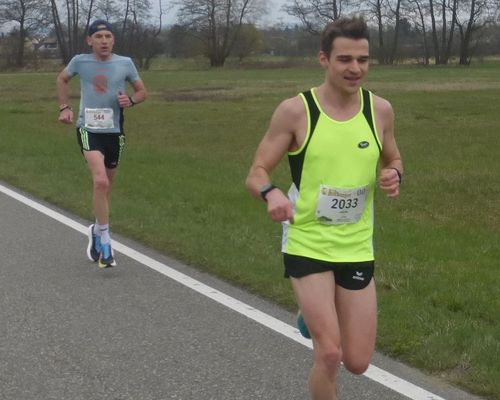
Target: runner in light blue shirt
101,82
103,78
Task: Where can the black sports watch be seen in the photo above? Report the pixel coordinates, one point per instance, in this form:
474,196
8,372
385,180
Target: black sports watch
265,189
400,175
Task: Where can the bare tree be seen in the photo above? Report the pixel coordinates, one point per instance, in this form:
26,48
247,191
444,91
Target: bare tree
69,32
471,18
377,8
442,41
437,55
315,14
109,10
217,23
451,34
397,17
134,15
125,18
138,37
417,7
387,16
29,14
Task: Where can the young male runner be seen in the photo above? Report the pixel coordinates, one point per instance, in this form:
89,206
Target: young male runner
335,136
99,126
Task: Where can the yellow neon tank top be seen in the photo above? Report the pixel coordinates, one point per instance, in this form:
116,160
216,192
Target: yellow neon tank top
334,177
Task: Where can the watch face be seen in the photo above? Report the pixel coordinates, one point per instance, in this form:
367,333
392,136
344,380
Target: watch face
266,187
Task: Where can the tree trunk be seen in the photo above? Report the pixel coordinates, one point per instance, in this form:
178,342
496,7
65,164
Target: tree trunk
381,55
217,59
335,9
396,33
467,36
452,29
87,24
444,59
20,49
434,33
464,53
125,18
424,34
75,18
59,33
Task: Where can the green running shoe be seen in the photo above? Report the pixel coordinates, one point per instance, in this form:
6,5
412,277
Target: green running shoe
301,324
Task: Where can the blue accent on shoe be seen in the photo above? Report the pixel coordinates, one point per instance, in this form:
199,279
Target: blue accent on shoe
301,324
106,256
105,251
94,245
97,243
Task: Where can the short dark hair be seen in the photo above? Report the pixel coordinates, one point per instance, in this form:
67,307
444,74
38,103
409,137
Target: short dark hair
352,28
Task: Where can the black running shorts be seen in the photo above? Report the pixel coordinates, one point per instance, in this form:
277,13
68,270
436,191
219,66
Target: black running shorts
109,144
349,275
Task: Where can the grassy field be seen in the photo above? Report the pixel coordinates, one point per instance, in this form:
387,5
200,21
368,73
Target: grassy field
180,189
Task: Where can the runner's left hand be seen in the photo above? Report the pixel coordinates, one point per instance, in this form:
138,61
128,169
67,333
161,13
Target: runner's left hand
389,182
124,100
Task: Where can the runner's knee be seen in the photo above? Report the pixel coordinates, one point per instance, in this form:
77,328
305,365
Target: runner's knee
101,183
356,366
330,360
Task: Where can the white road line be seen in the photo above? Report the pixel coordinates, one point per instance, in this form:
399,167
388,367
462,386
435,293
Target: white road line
374,373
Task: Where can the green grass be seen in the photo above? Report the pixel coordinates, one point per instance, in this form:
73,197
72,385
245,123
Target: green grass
180,189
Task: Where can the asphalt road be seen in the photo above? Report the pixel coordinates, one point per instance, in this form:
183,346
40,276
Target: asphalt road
70,331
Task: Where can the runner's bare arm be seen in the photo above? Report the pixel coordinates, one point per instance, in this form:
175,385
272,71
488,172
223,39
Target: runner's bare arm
62,82
273,146
279,138
139,95
390,161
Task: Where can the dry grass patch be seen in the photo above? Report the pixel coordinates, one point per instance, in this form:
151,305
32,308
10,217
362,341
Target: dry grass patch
437,86
219,93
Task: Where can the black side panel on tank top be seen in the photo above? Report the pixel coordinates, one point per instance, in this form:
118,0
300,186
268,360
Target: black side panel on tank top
367,112
296,161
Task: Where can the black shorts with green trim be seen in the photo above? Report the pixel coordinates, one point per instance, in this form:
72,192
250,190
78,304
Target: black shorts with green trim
349,275
111,145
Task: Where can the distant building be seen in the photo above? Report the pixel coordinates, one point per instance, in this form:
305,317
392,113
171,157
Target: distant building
7,27
45,45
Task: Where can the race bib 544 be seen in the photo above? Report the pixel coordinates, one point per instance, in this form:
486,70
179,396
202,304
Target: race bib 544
99,118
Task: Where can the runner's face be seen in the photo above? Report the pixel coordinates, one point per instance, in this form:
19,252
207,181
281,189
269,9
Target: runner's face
347,65
102,44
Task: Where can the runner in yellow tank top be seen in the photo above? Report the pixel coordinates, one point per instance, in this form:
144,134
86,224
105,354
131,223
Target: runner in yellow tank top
335,137
332,190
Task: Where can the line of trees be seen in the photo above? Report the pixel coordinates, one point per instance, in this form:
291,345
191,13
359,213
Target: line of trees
436,23
430,30
68,20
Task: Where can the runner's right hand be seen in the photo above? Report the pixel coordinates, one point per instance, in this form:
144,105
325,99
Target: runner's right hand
66,116
279,207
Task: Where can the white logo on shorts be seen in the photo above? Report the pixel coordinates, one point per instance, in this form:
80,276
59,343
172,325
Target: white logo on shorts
358,276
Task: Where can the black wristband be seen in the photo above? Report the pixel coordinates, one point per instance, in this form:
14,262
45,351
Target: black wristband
66,107
132,101
264,190
400,176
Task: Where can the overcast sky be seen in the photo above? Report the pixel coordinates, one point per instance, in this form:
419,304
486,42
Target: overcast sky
273,16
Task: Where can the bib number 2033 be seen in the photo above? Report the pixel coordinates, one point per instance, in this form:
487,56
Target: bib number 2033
340,205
